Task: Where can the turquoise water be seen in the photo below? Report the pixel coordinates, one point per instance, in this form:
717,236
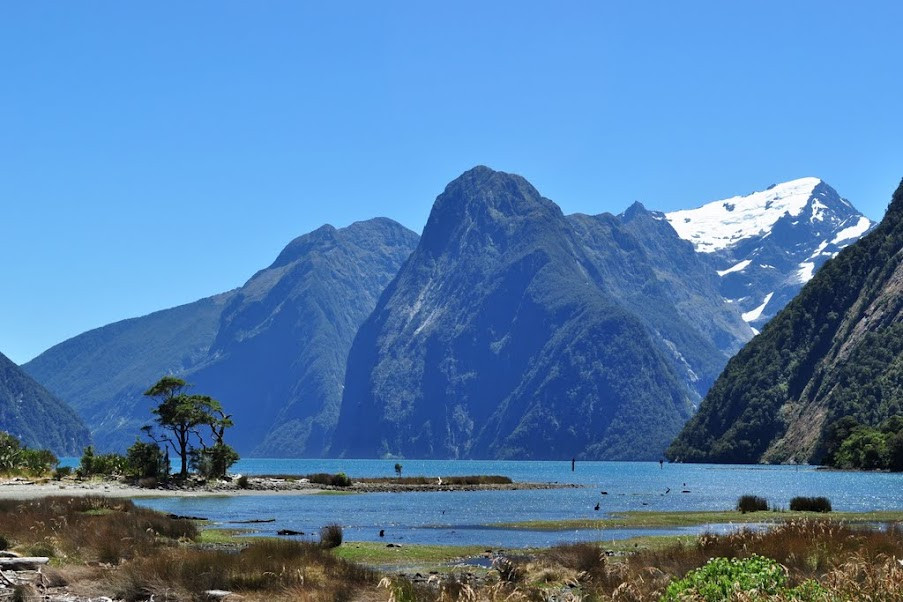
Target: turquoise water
460,518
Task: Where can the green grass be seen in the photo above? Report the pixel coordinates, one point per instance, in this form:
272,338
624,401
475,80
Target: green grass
223,535
646,543
377,554
336,492
640,520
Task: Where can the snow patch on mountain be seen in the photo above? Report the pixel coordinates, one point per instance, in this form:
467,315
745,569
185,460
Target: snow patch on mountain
719,224
806,271
753,315
853,232
739,267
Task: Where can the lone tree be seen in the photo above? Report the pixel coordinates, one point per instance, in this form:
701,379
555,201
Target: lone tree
181,416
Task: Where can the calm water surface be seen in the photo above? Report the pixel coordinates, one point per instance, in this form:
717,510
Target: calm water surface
461,518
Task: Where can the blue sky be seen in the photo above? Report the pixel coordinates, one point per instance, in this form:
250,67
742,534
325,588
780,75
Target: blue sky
152,153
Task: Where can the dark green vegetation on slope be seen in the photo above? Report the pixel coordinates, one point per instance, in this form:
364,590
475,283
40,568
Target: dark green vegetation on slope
273,350
835,351
515,332
849,444
35,416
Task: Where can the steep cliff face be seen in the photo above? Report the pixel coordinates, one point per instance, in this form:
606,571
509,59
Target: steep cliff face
834,351
513,331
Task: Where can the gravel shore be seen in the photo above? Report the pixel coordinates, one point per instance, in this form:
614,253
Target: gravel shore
19,488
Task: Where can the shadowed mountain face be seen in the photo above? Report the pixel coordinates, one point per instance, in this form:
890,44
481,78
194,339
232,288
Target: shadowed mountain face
835,350
273,351
37,418
515,332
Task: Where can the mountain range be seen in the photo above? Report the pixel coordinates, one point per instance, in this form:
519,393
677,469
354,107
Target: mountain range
273,351
507,330
35,416
516,332
836,350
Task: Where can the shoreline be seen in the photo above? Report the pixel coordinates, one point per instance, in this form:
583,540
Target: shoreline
22,488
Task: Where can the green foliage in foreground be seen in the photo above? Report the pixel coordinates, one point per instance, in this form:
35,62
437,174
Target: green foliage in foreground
721,578
16,459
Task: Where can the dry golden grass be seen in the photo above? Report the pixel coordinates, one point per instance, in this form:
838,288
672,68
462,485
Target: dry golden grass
263,568
88,528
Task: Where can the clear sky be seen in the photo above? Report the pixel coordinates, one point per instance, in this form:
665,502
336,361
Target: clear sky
153,153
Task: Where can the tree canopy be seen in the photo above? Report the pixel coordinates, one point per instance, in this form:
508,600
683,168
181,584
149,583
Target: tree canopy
184,420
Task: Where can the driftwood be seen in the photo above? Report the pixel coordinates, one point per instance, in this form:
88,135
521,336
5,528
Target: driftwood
24,562
289,532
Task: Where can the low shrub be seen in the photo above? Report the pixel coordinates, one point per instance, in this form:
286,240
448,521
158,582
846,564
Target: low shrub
332,480
242,482
107,465
147,460
810,504
62,472
15,458
752,503
421,480
331,536
723,578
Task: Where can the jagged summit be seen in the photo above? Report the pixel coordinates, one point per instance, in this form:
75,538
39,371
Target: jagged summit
720,224
767,244
484,207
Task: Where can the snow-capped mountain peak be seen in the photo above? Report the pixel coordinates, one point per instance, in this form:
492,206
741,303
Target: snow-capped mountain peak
766,245
720,224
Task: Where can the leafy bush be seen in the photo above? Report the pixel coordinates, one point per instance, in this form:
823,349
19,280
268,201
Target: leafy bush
752,503
242,482
720,579
213,462
810,504
92,464
18,459
147,461
331,536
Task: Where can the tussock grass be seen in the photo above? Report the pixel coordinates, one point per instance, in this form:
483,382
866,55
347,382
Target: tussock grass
752,503
845,559
88,528
263,567
810,504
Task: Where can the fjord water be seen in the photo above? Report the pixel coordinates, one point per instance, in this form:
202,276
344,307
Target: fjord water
464,517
